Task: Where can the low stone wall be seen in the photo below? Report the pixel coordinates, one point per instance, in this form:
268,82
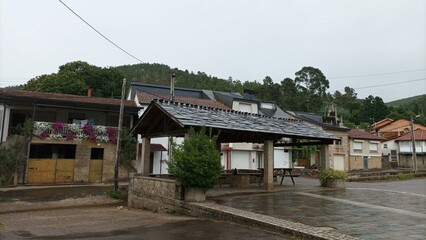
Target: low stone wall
153,193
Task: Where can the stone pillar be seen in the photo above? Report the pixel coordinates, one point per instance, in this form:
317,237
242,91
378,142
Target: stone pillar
268,168
324,157
146,152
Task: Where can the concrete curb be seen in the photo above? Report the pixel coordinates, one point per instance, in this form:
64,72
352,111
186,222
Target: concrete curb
281,226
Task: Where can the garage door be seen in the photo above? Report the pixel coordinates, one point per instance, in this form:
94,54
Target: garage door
338,162
240,160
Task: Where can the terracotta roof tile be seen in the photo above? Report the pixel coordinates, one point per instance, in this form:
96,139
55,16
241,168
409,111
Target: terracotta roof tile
359,134
63,97
419,135
146,98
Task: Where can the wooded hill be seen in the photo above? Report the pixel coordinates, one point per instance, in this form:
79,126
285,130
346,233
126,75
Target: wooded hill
306,91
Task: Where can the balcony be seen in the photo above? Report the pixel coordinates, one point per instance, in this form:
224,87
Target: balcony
75,132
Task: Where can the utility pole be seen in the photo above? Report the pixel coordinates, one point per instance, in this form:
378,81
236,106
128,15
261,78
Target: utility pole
413,141
120,123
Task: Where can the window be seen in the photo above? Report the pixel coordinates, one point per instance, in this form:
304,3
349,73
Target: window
267,105
374,147
244,107
385,146
357,146
338,142
65,151
97,153
41,151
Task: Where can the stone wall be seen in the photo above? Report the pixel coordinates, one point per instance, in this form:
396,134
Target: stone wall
357,162
153,193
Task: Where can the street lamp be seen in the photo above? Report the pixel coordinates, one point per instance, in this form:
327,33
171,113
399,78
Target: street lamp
413,141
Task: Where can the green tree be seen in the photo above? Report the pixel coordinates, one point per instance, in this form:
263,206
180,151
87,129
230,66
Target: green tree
312,83
128,150
374,108
196,162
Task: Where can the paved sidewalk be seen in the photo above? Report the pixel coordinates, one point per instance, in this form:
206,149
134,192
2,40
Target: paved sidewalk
378,210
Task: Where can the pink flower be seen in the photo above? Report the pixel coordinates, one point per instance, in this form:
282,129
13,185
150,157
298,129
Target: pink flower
69,137
92,137
111,132
57,127
42,136
88,129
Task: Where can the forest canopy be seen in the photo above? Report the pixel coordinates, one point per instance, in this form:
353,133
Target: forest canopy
306,91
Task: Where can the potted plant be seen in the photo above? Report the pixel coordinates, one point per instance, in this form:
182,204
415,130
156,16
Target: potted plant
333,178
196,164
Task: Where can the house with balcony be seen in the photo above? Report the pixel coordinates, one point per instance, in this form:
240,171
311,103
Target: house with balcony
405,149
365,150
391,129
74,137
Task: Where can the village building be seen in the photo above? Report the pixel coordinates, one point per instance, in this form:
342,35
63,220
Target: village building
365,150
406,150
74,137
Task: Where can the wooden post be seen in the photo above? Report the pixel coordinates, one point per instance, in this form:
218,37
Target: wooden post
268,168
146,151
120,123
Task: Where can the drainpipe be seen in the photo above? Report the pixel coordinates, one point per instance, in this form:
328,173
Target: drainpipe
2,123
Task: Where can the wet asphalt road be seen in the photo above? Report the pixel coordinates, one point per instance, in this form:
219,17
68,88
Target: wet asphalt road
37,194
113,223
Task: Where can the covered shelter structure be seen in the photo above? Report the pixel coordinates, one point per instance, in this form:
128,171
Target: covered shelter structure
173,119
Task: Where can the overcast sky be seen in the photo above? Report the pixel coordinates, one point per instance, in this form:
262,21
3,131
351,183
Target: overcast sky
245,39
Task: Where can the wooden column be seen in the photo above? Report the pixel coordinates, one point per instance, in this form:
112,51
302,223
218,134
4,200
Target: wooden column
324,157
146,151
268,168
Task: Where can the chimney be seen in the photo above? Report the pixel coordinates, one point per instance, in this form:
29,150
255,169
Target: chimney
249,94
89,92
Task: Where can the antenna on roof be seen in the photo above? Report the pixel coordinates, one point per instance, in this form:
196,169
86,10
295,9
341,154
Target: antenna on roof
172,87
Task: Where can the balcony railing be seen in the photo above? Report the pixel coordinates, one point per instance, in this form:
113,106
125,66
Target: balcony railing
72,132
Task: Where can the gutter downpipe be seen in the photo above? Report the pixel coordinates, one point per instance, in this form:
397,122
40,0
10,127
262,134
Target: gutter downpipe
2,123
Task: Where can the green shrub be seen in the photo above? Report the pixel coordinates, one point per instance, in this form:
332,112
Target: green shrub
404,176
196,162
331,174
113,193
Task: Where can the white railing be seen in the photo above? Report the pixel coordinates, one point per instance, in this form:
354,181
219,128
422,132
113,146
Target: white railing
68,131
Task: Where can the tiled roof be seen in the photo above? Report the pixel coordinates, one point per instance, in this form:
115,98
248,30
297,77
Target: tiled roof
195,116
381,123
146,98
62,97
359,134
419,135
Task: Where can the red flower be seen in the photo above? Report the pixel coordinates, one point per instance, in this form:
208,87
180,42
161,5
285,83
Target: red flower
57,127
88,129
69,137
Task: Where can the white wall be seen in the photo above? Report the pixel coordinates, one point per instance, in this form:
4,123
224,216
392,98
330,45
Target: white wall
281,158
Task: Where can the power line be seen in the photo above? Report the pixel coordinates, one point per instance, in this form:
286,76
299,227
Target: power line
379,74
88,24
394,83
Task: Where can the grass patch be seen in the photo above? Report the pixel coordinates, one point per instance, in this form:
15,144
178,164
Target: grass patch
116,194
404,176
2,226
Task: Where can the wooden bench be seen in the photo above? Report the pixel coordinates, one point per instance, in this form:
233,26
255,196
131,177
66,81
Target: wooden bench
281,172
